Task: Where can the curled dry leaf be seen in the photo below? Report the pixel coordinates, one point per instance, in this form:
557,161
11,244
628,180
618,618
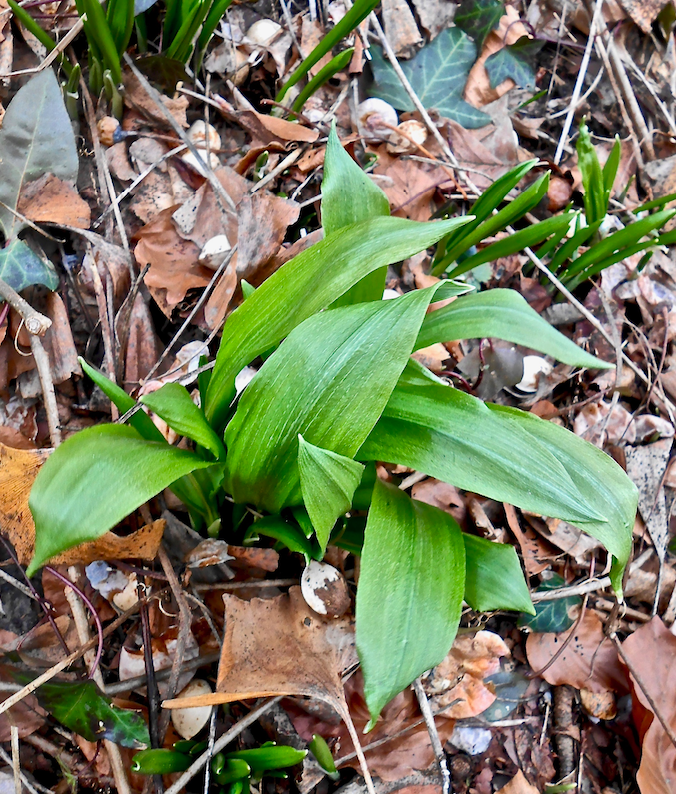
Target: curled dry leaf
589,661
18,470
460,677
51,200
651,650
518,785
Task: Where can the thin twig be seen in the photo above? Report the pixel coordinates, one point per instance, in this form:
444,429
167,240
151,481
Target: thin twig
138,681
8,760
35,322
220,743
439,753
220,194
185,619
16,763
46,382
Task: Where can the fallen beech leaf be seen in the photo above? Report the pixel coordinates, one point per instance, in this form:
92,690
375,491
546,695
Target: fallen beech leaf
400,27
601,705
442,495
254,557
643,12
651,650
460,676
267,129
18,470
51,200
136,97
518,785
589,661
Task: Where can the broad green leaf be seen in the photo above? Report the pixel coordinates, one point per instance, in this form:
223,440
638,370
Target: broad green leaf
230,770
438,73
552,616
328,482
570,247
515,61
595,199
523,238
85,710
350,196
409,599
502,314
457,438
20,267
36,138
160,761
494,578
284,531
95,479
356,14
478,18
328,381
611,166
172,403
305,285
140,420
516,209
600,481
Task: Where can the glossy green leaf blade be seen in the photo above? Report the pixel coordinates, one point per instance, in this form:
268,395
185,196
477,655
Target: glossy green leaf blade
328,482
523,238
140,421
270,756
20,267
502,314
455,437
611,166
306,284
595,200
597,477
494,577
36,138
172,403
85,710
348,194
409,599
438,73
329,381
94,480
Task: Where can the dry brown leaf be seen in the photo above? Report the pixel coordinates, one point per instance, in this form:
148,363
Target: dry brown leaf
434,15
270,129
442,495
602,705
259,242
589,661
651,649
460,676
311,33
643,12
255,557
18,470
279,646
51,200
174,267
400,27
136,97
518,785
143,345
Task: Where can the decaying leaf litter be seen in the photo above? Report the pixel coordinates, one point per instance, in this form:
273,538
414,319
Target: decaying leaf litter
137,218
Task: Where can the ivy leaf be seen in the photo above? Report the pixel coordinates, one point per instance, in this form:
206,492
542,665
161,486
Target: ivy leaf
36,138
552,616
20,268
85,710
438,74
515,61
478,18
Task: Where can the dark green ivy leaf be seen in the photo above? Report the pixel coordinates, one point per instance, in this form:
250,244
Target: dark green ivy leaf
552,616
515,61
20,268
85,710
478,18
438,74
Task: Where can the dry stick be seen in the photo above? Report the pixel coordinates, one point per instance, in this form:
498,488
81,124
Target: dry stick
574,100
82,626
185,619
223,741
36,323
161,675
27,784
54,54
49,395
641,685
424,704
16,763
220,194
